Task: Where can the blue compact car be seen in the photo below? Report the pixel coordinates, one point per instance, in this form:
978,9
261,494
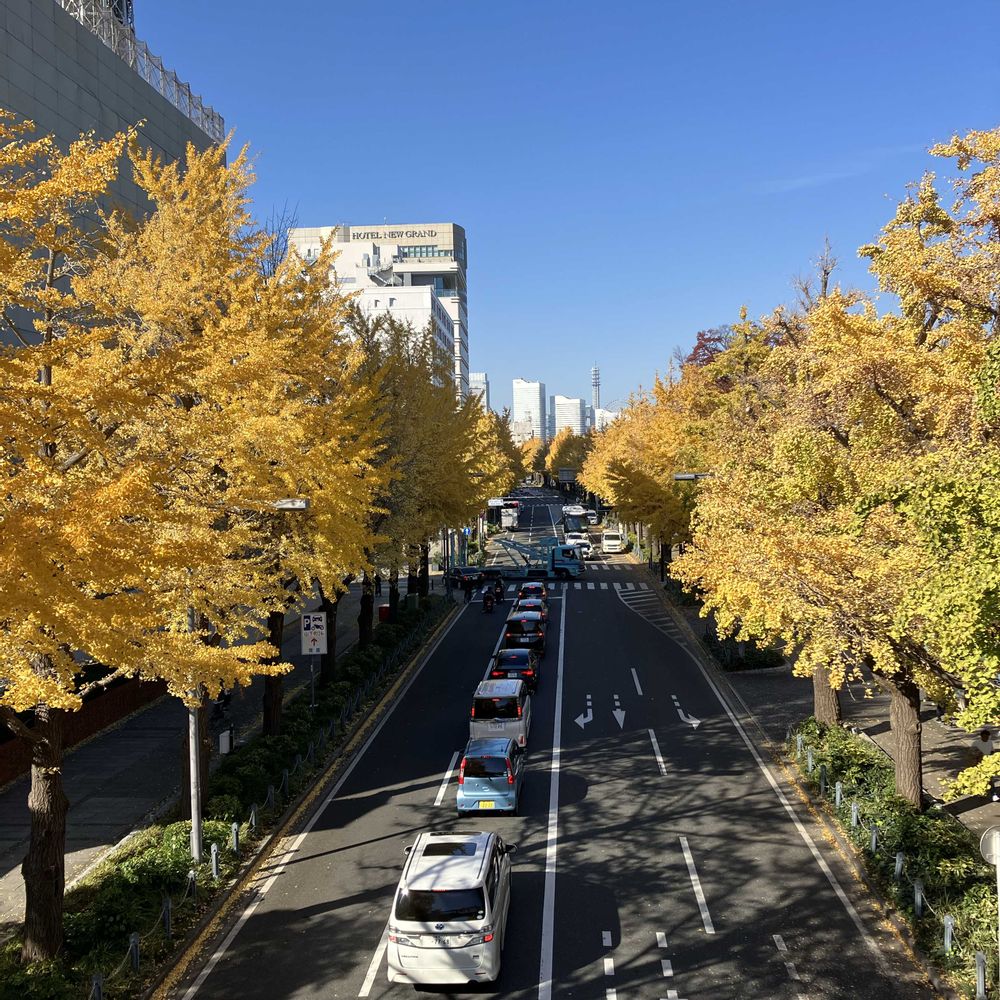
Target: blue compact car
490,777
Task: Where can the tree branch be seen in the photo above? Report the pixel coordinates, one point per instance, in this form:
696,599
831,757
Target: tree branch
17,727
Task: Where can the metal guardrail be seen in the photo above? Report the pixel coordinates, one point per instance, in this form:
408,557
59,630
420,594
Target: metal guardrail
97,17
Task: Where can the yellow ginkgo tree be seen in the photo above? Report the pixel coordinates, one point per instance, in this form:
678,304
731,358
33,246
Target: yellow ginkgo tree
161,398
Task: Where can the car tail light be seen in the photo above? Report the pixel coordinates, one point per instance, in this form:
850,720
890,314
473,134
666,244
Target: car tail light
507,635
496,673
472,714
529,673
519,710
461,773
510,774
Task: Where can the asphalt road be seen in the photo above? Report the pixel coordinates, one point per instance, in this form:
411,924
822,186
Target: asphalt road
657,858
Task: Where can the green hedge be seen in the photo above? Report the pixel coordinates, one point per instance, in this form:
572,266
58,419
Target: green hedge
938,849
124,894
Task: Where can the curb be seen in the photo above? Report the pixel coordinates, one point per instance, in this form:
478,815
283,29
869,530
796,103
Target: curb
818,810
199,938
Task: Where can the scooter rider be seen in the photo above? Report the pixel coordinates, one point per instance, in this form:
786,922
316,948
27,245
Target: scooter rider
498,591
488,599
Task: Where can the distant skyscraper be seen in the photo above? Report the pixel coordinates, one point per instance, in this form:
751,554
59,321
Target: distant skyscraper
479,385
569,412
528,415
595,388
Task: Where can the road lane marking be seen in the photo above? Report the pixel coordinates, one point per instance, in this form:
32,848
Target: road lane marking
793,973
604,585
590,586
610,995
618,713
661,939
545,964
366,986
606,938
618,586
578,586
609,967
258,895
699,895
787,806
667,966
638,686
626,586
447,778
659,758
643,586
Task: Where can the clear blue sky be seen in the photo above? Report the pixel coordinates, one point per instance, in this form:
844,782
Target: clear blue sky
627,173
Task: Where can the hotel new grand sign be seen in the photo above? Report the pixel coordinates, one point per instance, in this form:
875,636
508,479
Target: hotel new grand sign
395,234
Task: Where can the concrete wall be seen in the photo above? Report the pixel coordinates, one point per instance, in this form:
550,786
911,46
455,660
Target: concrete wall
66,80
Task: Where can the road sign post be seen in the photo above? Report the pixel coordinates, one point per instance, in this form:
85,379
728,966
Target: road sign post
313,633
989,847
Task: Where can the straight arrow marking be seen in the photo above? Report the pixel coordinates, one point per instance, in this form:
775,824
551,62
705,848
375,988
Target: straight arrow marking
618,713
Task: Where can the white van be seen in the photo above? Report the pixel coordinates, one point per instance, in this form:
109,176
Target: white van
612,541
501,708
449,914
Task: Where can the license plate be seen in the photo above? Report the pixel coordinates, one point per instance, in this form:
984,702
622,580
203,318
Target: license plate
496,725
486,804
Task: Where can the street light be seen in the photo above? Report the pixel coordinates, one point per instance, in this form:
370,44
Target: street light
682,477
194,734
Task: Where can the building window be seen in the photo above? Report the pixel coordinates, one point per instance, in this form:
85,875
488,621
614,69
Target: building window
423,250
392,302
375,304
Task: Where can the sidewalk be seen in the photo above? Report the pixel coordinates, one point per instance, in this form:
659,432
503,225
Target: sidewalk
777,699
116,780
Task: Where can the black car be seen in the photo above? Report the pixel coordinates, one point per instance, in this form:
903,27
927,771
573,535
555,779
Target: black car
525,630
516,665
492,573
459,574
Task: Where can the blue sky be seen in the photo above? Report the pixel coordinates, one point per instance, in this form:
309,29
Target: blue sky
627,173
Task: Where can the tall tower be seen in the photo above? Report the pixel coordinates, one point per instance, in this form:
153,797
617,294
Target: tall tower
595,386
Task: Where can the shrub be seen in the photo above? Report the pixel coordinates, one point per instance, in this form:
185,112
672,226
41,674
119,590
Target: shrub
936,847
226,807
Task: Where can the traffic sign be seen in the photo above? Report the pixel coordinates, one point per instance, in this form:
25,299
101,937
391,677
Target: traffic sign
314,632
467,532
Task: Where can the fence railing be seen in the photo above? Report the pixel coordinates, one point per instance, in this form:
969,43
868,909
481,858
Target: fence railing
120,38
909,886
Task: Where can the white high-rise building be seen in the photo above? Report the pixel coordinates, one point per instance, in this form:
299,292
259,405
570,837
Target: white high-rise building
602,418
384,262
568,412
528,415
479,385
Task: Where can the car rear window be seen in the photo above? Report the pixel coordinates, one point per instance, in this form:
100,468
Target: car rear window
518,627
495,708
612,536
448,904
485,767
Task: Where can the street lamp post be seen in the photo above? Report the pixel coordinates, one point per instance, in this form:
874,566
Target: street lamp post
194,728
681,477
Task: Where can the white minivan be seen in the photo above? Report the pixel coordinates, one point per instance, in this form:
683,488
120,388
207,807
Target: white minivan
612,541
449,915
501,708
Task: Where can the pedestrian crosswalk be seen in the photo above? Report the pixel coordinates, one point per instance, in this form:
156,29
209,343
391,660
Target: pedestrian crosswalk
588,585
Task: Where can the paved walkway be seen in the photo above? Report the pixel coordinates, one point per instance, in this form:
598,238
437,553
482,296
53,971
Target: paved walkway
122,776
777,699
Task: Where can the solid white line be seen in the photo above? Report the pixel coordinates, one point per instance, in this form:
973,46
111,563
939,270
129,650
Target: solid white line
545,965
447,778
366,986
661,939
610,995
803,832
706,917
667,966
638,686
656,752
606,938
258,897
609,967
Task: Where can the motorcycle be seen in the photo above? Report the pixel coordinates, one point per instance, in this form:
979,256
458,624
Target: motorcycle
498,592
488,602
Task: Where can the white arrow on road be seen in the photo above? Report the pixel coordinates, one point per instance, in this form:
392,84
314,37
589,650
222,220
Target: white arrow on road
618,713
689,719
585,717
683,716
